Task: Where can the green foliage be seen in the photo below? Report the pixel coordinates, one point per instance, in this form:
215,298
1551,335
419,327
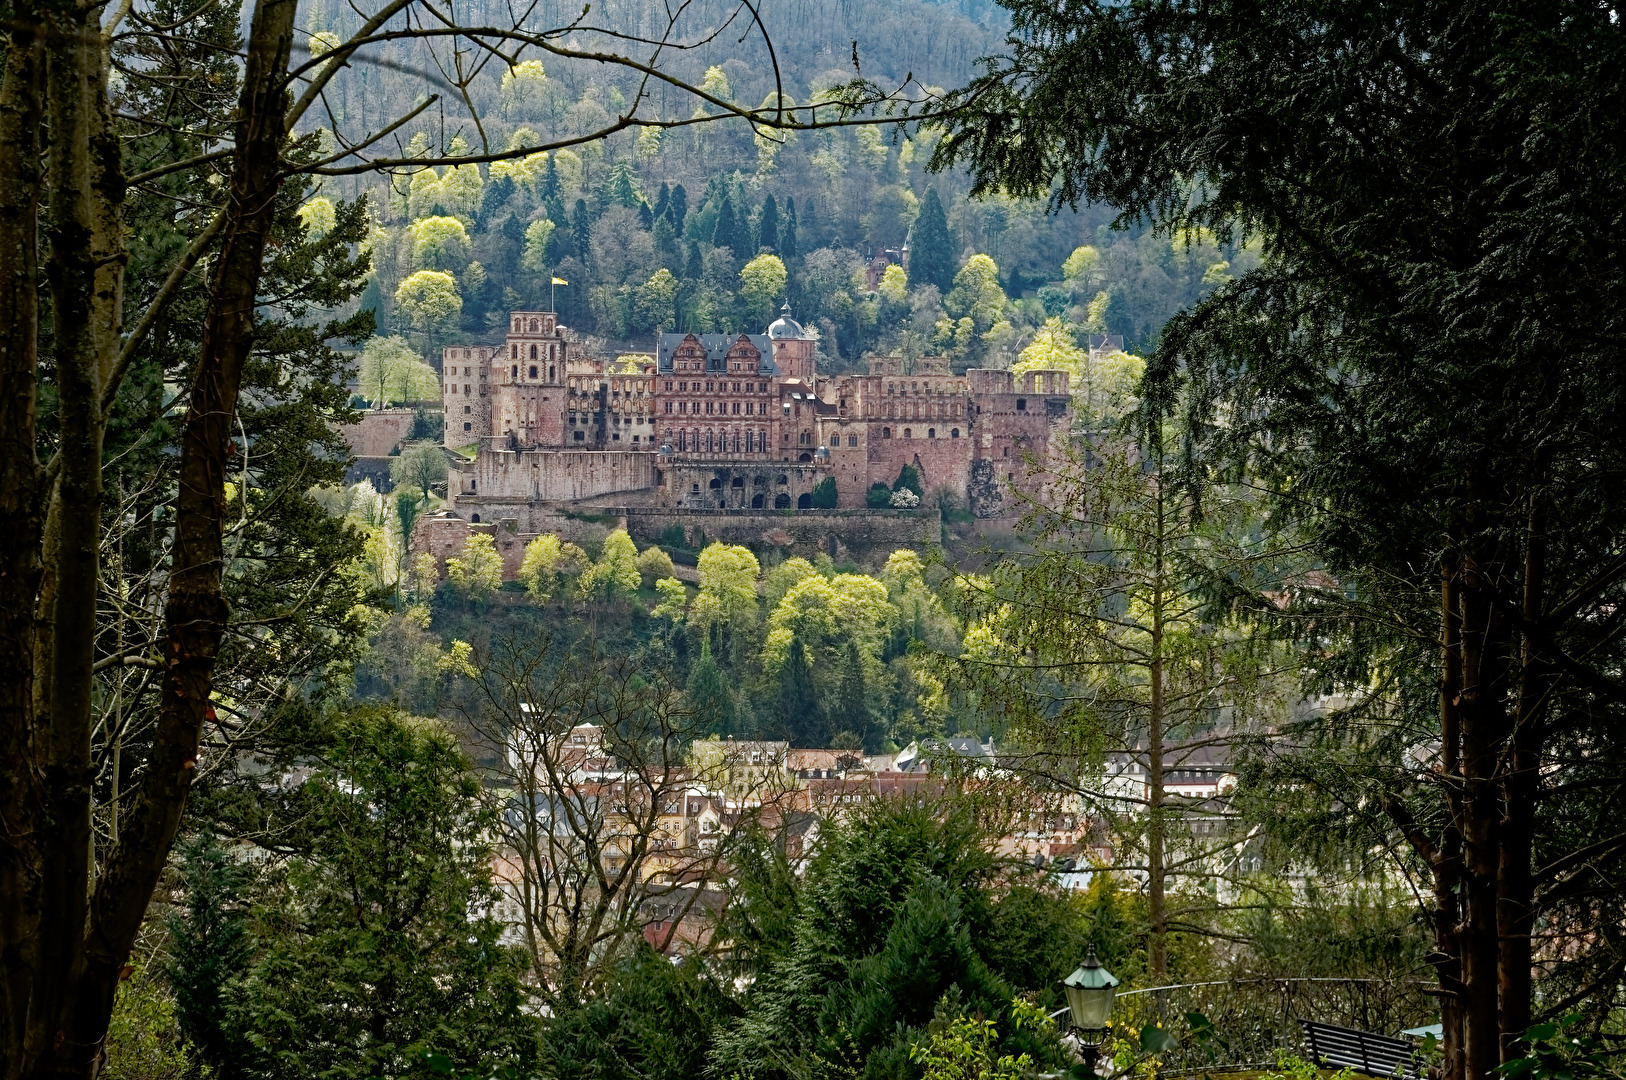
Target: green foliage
801,718
392,371
374,949
143,1041
824,494
708,696
933,252
615,575
418,468
879,497
438,243
909,478
1563,1051
653,564
210,946
476,573
656,1019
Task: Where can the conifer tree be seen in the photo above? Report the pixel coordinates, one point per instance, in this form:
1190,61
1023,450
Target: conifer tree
209,946
663,199
551,188
800,716
768,227
708,696
732,232
694,268
931,247
852,711
579,226
678,208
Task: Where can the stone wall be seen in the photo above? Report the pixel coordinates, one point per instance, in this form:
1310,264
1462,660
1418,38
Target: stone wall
378,432
551,475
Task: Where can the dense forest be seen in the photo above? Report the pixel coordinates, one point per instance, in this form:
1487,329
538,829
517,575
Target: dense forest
710,228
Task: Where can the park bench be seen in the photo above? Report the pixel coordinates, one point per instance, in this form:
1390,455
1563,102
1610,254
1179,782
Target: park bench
1363,1051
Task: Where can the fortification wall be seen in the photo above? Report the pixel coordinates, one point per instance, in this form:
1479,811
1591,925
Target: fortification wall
553,475
378,431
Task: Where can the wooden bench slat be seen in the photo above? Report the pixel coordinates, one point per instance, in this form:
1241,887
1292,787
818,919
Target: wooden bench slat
1366,1051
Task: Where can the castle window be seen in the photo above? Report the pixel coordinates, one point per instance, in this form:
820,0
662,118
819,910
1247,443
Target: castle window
886,433
533,371
513,352
852,440
514,373
708,386
708,408
533,352
550,372
668,406
736,408
468,426
467,409
535,326
1021,404
954,433
908,433
931,433
581,435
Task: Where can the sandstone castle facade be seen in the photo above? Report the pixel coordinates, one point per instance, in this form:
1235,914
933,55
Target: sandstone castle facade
729,423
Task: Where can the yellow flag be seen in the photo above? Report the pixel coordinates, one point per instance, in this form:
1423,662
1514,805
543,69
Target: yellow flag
560,281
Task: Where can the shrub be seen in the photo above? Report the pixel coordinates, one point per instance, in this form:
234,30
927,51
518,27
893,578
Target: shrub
654,564
879,497
824,494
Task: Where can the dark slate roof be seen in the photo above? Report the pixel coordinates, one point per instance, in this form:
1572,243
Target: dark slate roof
717,346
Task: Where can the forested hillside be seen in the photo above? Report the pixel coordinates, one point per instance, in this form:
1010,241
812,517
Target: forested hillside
655,228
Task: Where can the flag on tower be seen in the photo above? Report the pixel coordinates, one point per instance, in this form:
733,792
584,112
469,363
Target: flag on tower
560,281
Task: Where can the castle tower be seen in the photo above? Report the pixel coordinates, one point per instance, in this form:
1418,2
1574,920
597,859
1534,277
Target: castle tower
793,349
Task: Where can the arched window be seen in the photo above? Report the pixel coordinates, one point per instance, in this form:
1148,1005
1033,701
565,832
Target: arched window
475,520
807,438
954,433
852,440
908,433
533,352
533,371
513,352
781,501
931,433
804,502
535,326
715,484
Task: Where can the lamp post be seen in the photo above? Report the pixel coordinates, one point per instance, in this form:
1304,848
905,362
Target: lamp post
1089,992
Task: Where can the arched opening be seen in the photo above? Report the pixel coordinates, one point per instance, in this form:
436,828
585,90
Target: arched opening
886,433
954,433
852,440
756,502
908,433
804,502
783,479
781,501
805,457
475,519
533,352
715,484
535,326
739,482
931,433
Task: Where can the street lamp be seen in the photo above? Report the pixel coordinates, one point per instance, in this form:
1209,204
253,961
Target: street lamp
1089,998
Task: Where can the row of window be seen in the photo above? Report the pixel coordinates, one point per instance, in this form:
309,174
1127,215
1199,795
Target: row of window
720,387
722,407
719,442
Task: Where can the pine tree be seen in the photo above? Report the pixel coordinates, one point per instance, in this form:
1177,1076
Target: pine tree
550,182
209,946
372,299
731,232
852,710
799,712
663,200
787,233
932,246
678,208
708,696
808,235
665,242
768,227
694,269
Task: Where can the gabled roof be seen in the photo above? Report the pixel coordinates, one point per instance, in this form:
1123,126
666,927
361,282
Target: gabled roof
717,347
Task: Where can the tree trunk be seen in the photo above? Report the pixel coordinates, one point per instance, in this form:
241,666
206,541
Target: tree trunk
21,524
1155,870
72,996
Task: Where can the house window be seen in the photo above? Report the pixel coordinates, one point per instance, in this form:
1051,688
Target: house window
1021,404
580,435
467,426
533,371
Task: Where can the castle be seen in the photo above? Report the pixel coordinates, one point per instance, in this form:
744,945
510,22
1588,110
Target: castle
729,422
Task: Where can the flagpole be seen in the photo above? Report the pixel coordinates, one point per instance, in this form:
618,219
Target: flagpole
551,305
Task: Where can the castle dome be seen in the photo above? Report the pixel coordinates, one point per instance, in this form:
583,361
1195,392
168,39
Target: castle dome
784,326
